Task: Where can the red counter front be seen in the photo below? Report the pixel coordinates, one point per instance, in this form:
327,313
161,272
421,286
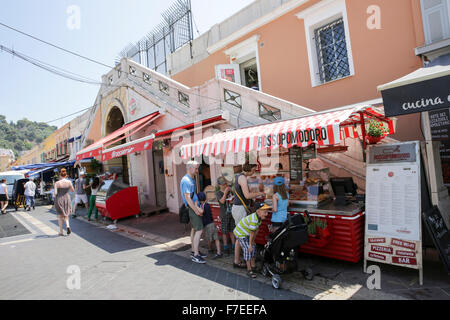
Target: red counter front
345,241
122,204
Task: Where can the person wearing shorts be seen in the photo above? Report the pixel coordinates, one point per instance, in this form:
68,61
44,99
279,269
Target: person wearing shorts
241,204
211,234
190,199
80,194
245,233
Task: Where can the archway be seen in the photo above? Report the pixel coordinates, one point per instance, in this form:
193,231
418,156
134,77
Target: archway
115,121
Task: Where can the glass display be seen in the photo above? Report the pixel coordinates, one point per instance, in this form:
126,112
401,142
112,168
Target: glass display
110,187
313,189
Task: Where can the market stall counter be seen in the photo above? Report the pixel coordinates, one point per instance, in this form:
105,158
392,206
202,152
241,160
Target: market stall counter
116,200
336,232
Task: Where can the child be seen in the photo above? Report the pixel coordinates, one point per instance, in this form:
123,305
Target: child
211,233
245,233
226,219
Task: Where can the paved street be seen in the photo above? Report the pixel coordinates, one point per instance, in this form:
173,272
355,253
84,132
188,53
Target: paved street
38,265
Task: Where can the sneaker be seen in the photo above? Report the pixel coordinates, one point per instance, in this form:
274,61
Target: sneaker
217,255
198,259
200,254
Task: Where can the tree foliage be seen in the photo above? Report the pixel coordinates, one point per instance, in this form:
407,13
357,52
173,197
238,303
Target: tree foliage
23,135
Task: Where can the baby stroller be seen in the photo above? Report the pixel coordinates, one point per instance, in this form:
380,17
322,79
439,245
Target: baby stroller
18,194
282,248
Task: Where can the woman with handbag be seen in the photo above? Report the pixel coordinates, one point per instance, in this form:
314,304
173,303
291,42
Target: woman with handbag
241,204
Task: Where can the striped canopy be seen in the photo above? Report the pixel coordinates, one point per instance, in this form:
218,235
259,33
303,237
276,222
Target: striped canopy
325,129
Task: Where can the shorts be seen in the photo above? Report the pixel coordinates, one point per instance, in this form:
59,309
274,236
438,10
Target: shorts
3,197
238,213
245,244
228,224
211,233
81,198
196,221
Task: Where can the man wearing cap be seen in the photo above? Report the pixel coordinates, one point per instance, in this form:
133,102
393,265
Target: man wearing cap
245,232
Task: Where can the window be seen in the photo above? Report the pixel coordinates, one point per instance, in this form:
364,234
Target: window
328,42
332,54
269,113
436,19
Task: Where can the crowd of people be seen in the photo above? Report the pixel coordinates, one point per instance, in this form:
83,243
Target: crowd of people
239,223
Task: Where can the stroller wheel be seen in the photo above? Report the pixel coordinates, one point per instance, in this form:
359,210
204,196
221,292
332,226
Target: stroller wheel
276,281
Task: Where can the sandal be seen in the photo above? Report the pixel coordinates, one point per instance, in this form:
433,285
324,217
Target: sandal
251,274
240,265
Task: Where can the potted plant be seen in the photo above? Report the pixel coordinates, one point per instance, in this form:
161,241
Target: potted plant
376,132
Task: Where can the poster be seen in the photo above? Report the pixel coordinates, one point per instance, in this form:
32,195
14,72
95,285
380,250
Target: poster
440,131
393,209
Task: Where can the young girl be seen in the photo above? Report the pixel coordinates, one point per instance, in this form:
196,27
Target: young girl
280,203
211,233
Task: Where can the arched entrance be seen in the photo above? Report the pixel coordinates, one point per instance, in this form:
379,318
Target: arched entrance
115,121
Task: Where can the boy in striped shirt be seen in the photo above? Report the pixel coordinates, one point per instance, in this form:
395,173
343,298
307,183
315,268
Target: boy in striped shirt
245,233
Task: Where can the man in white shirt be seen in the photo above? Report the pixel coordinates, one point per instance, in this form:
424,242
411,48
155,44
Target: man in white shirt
30,191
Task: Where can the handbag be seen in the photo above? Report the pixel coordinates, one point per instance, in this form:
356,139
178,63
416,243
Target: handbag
184,212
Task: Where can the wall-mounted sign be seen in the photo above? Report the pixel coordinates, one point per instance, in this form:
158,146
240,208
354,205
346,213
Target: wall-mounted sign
393,153
295,163
417,97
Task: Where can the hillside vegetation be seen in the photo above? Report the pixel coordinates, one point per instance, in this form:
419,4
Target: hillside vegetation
23,135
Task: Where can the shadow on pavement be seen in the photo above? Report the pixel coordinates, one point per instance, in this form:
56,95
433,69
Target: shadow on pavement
100,237
225,278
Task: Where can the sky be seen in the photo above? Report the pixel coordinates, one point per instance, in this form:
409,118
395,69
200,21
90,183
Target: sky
105,28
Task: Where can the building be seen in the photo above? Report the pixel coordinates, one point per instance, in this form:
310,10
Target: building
6,159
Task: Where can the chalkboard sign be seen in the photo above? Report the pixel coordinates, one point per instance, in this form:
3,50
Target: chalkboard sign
440,234
295,163
440,131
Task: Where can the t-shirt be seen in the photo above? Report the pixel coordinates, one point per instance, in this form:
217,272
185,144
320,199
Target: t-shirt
223,206
248,224
79,184
187,185
207,215
30,189
2,188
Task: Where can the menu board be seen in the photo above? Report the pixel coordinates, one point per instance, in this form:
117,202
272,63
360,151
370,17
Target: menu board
295,163
393,205
310,152
440,131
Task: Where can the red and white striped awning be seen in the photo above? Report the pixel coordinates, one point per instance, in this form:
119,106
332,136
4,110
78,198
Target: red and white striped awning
325,129
95,150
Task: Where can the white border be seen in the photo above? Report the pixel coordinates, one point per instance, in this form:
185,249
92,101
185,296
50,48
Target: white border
319,15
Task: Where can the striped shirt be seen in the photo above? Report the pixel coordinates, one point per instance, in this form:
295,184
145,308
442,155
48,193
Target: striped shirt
246,225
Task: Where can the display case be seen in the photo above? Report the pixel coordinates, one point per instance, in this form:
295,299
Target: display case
263,182
314,189
116,200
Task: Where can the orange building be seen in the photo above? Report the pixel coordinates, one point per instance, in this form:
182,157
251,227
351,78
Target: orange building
321,54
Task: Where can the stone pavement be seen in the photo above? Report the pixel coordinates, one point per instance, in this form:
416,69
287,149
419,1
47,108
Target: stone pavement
112,264
333,279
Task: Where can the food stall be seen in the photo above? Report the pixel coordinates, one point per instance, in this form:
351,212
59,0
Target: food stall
116,200
335,207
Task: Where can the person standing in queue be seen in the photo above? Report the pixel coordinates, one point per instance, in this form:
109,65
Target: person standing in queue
241,204
63,205
280,203
3,196
190,198
226,219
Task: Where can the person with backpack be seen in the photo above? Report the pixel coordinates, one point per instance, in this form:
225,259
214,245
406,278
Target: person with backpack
192,204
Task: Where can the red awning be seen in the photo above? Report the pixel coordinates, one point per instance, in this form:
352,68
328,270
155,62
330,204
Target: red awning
325,128
146,143
95,150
